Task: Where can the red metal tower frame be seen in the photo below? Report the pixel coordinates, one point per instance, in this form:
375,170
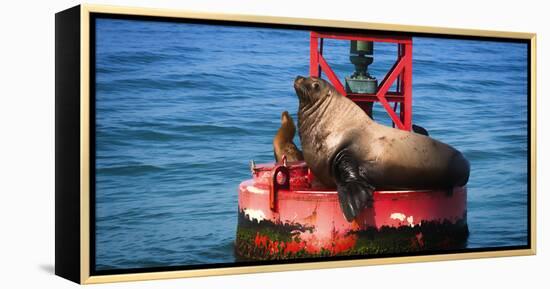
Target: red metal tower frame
401,72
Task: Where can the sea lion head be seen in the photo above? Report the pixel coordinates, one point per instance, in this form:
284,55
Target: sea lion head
288,123
285,117
311,90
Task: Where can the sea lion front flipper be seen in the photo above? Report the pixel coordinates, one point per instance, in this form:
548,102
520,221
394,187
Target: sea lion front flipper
354,192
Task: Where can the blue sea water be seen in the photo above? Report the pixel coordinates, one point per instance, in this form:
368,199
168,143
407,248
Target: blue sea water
182,108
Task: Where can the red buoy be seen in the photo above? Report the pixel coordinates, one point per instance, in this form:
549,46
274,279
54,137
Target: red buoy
284,213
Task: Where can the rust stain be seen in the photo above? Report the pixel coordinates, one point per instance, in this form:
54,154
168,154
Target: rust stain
312,219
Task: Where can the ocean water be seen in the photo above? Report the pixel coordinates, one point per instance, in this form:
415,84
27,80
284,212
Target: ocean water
182,108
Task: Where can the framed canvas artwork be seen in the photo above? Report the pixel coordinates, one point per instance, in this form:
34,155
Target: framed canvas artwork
192,144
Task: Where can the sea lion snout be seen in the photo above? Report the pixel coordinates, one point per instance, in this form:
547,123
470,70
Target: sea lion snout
298,81
285,117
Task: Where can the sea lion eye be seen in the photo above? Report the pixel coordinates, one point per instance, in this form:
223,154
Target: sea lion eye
315,85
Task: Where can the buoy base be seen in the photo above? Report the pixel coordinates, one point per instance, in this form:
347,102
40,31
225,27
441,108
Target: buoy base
283,214
266,240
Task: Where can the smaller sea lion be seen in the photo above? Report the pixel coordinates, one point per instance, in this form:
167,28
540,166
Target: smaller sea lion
283,141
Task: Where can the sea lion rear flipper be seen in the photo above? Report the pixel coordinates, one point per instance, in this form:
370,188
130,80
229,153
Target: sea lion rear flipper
420,130
354,192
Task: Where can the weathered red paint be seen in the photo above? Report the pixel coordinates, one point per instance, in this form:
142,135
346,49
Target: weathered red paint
313,206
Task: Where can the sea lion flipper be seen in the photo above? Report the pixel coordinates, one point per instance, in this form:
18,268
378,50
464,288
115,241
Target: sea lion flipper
354,192
420,130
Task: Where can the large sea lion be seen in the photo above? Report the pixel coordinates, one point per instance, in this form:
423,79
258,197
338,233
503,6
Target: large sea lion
346,149
283,143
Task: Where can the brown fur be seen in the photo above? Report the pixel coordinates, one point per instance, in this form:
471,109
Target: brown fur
392,158
283,141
